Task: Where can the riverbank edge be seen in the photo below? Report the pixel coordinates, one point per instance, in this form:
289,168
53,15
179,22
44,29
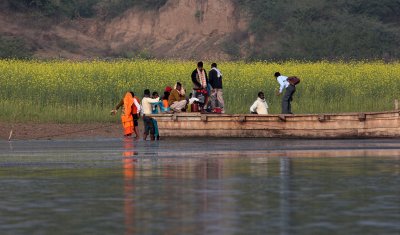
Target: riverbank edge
48,131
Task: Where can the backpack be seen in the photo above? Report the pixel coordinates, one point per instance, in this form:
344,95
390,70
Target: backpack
293,80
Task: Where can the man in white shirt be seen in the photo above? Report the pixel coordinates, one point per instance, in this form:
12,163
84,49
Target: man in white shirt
260,106
283,83
147,102
288,96
147,109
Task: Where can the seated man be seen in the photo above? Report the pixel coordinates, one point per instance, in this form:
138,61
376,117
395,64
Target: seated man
176,100
260,106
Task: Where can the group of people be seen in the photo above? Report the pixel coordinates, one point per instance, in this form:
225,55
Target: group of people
206,97
207,90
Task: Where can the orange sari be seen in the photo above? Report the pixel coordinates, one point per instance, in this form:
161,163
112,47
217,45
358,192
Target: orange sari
126,117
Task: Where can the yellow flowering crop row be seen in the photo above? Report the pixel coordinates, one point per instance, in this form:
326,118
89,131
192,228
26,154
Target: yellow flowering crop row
37,90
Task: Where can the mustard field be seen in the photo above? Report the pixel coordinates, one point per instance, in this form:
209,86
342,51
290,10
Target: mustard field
81,92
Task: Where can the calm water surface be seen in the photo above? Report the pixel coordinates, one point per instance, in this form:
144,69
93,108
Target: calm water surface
200,186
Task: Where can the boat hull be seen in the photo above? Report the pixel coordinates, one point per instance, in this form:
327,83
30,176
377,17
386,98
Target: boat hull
342,125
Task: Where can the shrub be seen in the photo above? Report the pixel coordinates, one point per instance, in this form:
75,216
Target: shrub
14,48
81,8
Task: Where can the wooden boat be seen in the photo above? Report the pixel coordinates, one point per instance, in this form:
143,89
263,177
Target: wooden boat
336,125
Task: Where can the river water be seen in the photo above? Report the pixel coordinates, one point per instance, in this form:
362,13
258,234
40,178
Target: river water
200,186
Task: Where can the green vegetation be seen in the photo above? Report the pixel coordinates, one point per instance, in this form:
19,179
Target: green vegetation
68,8
324,29
81,8
11,47
82,92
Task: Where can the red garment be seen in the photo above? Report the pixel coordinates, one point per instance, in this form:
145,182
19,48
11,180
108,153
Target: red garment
168,89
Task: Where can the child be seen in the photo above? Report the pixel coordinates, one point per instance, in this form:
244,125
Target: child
260,106
164,105
155,106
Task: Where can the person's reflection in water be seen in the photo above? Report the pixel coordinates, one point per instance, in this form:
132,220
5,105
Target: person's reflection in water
285,172
11,146
129,174
210,169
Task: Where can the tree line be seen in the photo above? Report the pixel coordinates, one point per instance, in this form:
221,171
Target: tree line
324,29
81,8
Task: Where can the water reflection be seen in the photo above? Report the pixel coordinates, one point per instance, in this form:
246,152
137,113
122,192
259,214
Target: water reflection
10,144
129,161
137,168
180,187
285,172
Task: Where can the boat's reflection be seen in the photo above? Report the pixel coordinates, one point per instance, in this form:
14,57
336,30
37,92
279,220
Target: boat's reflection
204,174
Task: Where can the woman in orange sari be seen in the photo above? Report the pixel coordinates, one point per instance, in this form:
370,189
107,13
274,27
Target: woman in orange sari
127,118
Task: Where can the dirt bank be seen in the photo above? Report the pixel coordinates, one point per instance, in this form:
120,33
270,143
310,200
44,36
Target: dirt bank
34,131
182,29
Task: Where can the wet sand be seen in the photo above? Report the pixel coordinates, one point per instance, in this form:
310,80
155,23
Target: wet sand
33,131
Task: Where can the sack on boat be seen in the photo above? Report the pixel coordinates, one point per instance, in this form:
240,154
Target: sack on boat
217,110
293,80
195,107
201,97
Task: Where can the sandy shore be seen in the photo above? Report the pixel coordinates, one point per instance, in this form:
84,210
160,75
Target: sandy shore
32,131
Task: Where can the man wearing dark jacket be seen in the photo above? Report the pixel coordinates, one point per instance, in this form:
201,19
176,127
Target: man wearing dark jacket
200,82
216,88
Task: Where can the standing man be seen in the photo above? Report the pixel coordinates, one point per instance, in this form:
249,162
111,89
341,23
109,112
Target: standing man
288,96
215,77
147,102
136,109
200,81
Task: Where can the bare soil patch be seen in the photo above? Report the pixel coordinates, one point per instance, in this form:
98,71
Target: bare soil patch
35,131
182,29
